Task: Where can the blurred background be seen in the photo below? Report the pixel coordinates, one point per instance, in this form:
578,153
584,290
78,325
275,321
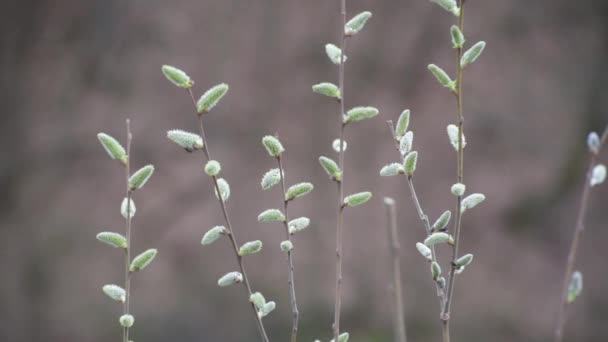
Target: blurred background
71,68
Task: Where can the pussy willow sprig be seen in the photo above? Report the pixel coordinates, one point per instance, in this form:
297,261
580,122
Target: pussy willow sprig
336,170
437,234
192,142
134,182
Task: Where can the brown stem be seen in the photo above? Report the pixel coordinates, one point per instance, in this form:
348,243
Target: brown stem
393,239
578,233
295,314
231,235
128,219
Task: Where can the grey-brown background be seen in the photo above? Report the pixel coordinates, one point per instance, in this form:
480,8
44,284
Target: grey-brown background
71,68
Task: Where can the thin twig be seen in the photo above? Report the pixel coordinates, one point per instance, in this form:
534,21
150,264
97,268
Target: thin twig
445,313
291,282
128,219
340,209
230,232
578,233
393,240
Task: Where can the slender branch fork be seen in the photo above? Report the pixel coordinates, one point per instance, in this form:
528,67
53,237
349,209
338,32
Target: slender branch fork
291,282
399,318
578,233
128,219
340,209
230,232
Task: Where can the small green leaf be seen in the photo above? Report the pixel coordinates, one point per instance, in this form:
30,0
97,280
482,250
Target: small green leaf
343,337
113,147
402,124
177,77
127,210
457,37
327,89
448,5
257,299
333,53
298,190
213,234
271,178
298,224
273,146
211,98
575,287
331,167
464,260
112,239
442,221
360,113
143,260
598,175
140,177
230,278
286,246
188,141
411,159
437,238
424,250
126,321
224,187
357,199
250,247
458,189
471,201
392,169
435,270
213,168
270,215
453,136
266,309
115,292
357,23
406,142
442,77
472,54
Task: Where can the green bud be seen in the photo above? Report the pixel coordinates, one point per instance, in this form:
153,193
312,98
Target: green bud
332,169
143,260
360,113
594,142
437,238
598,175
257,299
357,23
273,146
270,215
442,221
392,169
458,189
286,246
357,199
115,292
224,187
211,98
250,247
402,124
442,77
327,89
112,239
464,260
188,141
126,321
471,54
298,224
177,77
343,337
448,5
213,234
457,37
271,178
298,190
140,177
424,250
266,309
575,287
333,53
435,270
213,168
127,210
113,147
230,278
410,163
471,201
405,144
453,136
336,145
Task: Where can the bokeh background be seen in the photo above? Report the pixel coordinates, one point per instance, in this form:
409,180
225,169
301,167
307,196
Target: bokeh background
71,68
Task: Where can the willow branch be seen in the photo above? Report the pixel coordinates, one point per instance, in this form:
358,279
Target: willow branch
395,247
128,219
